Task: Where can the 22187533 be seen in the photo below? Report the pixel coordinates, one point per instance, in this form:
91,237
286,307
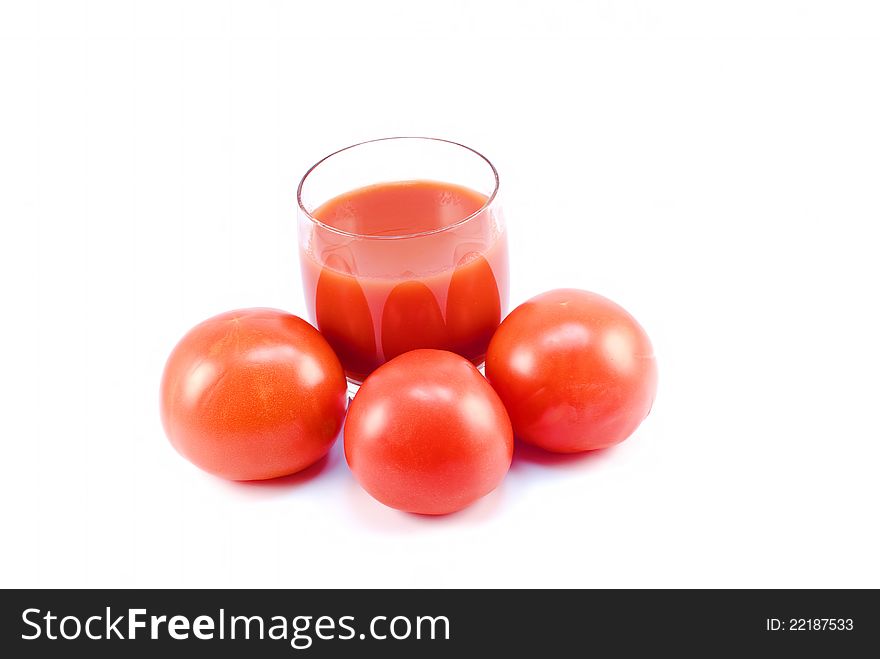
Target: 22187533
809,625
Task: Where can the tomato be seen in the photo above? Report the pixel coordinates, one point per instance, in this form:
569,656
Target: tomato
575,371
427,434
253,394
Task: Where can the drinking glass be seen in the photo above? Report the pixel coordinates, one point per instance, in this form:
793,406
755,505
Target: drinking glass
402,246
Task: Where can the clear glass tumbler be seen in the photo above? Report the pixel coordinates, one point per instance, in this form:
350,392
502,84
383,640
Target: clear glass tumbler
402,246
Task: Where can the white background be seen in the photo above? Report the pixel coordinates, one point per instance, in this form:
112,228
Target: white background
713,167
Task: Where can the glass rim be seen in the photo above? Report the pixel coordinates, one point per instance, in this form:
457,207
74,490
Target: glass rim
417,234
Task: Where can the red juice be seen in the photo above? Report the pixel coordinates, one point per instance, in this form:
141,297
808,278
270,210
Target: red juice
405,265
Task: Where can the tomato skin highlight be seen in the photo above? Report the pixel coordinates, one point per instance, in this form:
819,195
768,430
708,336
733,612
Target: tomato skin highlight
253,394
575,370
427,434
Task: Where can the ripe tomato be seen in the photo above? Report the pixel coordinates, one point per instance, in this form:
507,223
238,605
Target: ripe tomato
427,434
253,394
575,371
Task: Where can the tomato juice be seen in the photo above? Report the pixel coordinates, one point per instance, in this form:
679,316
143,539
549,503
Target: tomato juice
396,266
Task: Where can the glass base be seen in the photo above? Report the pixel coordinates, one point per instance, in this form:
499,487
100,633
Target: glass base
353,388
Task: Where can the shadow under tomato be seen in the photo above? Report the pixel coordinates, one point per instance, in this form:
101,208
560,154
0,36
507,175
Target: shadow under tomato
525,455
480,510
380,517
284,484
300,477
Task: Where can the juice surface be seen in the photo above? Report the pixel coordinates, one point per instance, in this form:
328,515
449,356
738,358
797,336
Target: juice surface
377,295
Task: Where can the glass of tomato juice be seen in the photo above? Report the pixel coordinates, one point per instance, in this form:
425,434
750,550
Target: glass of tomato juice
402,245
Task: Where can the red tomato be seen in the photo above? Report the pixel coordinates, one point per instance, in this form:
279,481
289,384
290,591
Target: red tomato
575,371
427,434
253,394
